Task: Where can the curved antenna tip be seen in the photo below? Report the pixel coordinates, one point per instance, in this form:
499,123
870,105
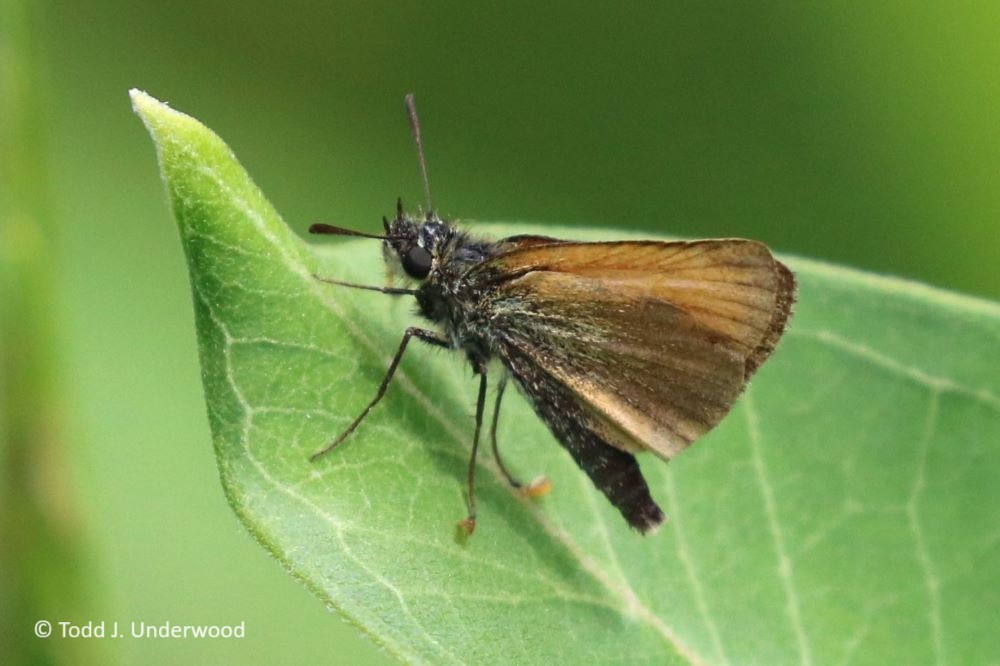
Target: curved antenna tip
411,112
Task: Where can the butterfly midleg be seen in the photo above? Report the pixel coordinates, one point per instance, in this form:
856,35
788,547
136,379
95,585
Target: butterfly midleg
421,334
469,524
493,434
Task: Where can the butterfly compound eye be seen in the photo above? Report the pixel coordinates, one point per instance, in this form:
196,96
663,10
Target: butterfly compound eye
417,262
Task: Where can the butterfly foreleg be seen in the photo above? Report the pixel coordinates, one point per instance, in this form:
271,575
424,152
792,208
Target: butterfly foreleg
421,334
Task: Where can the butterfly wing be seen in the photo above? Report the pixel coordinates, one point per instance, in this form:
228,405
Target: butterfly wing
656,339
631,346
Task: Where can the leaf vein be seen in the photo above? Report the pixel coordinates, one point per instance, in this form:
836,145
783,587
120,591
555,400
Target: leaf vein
688,562
931,580
785,568
879,359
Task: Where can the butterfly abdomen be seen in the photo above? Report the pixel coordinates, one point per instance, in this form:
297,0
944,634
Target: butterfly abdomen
615,472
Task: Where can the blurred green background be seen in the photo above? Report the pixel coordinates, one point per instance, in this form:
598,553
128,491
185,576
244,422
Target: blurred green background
866,134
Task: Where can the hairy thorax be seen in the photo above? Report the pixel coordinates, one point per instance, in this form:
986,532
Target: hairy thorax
444,300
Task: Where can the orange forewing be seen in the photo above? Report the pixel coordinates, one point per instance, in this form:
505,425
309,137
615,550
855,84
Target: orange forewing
655,340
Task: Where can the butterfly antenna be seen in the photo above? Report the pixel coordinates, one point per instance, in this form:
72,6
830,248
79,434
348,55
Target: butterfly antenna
411,111
330,230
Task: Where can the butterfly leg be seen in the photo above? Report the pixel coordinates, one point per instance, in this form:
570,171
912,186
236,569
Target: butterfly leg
469,524
537,488
421,334
493,434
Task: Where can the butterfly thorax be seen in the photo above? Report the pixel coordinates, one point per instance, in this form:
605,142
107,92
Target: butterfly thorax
443,295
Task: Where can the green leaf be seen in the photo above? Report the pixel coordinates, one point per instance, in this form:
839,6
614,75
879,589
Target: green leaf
845,511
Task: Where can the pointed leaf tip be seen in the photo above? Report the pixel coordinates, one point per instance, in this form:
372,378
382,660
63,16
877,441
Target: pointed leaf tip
144,104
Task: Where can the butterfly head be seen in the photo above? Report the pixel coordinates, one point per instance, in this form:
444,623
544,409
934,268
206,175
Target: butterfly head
413,247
